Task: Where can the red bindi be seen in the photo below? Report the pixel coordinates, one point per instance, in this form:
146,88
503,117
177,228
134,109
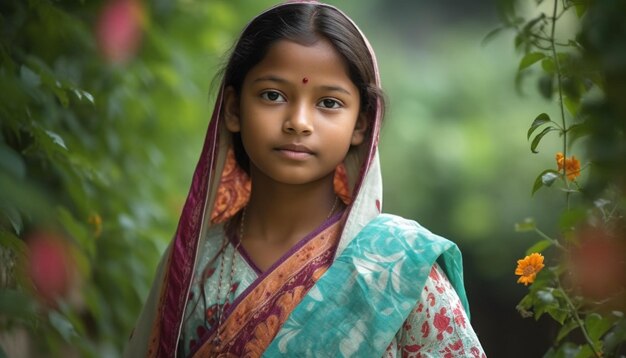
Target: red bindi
305,80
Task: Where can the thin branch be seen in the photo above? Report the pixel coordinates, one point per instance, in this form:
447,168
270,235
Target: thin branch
544,38
554,242
560,86
579,322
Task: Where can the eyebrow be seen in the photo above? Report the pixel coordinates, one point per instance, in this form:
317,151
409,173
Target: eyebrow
273,78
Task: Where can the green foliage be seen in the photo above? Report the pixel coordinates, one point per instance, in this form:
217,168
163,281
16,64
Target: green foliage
85,143
589,109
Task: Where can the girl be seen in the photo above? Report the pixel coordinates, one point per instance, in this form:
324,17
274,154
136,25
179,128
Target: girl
282,249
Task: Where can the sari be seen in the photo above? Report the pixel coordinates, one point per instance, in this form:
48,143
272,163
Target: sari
363,284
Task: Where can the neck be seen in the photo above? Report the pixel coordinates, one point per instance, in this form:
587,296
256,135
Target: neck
281,213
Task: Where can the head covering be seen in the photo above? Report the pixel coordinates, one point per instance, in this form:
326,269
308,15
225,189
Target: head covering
220,189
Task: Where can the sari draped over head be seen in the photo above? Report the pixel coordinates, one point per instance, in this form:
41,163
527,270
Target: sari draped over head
363,284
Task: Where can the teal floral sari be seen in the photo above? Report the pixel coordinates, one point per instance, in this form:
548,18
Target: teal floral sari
357,307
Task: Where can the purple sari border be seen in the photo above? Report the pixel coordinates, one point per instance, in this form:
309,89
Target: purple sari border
233,237
186,240
288,254
306,273
298,280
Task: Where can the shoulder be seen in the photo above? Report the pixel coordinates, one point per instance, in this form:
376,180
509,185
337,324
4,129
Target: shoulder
410,232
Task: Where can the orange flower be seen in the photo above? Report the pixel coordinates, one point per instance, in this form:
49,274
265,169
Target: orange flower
528,268
572,165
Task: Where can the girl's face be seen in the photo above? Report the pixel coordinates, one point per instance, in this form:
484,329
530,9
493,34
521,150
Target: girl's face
298,113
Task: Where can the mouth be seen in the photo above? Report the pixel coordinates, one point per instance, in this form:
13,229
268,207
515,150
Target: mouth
295,151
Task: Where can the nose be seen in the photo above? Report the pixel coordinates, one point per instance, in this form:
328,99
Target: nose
299,121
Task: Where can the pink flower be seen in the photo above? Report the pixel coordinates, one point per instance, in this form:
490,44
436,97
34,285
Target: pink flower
118,30
50,265
597,265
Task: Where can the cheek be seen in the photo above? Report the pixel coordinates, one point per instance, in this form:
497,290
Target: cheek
339,139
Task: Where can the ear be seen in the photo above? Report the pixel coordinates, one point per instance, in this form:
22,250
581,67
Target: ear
231,110
360,128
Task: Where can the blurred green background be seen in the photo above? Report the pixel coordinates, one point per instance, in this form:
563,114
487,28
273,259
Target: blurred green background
98,147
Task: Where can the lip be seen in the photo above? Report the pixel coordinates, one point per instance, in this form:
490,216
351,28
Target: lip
295,151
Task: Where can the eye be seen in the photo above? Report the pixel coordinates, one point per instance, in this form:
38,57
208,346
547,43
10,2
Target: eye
273,96
330,103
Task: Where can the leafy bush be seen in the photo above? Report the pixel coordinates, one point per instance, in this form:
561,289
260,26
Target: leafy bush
99,113
583,287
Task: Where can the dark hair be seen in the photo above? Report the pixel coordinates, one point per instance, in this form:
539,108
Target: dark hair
304,24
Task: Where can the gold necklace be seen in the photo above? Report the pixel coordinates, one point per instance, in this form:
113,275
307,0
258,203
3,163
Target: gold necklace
217,340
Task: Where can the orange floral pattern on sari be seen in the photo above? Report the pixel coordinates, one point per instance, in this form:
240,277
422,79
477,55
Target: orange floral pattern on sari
233,192
256,319
340,182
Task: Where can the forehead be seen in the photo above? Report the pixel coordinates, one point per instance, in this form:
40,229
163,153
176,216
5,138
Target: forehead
318,62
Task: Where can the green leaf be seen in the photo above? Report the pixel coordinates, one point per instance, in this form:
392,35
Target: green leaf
29,77
62,325
545,297
73,316
61,95
577,131
544,302
616,337
17,304
581,9
14,243
491,35
545,178
14,217
539,246
11,162
546,86
568,350
56,139
569,326
527,225
572,105
571,218
77,230
586,352
531,23
530,59
81,94
540,120
537,139
548,65
545,279
548,299
573,87
525,305
597,325
557,313
519,40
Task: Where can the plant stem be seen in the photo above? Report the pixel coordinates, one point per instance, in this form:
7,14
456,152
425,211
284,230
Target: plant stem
581,324
554,242
560,87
